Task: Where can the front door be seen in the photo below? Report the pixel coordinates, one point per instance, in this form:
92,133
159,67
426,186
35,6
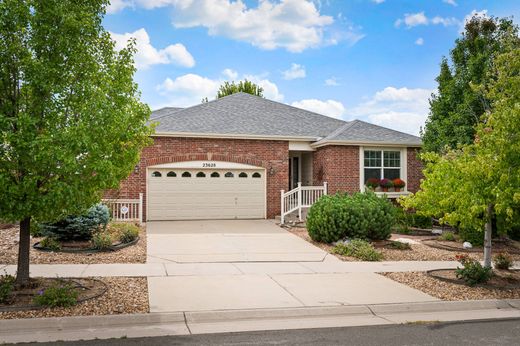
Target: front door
294,172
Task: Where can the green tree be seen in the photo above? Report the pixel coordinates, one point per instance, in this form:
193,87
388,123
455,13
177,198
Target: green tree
458,106
470,187
245,86
71,122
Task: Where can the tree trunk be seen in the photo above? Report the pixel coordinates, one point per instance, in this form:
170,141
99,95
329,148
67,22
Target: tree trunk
487,236
22,272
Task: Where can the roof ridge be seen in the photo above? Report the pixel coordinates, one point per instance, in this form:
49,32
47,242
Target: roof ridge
287,105
340,129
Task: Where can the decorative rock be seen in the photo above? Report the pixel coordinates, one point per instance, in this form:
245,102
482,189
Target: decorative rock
406,241
467,245
437,231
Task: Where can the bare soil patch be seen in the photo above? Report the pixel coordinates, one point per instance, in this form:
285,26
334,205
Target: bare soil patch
453,291
9,252
124,295
418,252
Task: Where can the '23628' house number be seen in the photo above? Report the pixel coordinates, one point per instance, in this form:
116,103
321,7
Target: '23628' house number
209,165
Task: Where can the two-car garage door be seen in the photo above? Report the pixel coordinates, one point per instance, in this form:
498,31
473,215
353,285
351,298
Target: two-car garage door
195,191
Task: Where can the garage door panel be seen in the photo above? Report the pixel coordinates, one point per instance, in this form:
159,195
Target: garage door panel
192,198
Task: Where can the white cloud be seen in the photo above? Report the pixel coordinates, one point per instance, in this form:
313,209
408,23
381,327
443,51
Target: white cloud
331,108
450,2
445,21
271,91
294,25
419,41
402,109
332,81
118,5
189,89
230,74
296,71
415,19
378,1
148,55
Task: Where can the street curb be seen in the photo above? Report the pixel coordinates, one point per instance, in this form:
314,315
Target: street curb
200,322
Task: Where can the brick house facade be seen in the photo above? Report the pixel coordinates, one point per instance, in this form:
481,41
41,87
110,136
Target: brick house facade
336,165
283,143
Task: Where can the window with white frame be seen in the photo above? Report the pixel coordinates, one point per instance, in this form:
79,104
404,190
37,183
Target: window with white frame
381,164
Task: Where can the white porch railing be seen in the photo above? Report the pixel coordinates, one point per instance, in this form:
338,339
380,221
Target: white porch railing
300,197
126,209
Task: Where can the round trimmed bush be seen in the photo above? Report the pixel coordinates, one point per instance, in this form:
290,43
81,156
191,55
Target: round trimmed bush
78,227
360,216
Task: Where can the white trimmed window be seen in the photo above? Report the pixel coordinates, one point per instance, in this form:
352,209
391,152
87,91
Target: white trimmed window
379,164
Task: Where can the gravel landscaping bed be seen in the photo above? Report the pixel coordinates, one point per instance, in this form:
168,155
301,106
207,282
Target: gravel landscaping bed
450,291
125,295
418,252
9,252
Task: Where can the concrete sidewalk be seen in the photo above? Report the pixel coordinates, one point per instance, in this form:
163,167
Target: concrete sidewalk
203,322
330,265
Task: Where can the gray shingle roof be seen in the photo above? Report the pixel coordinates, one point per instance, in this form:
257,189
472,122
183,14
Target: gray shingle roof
245,114
164,111
242,113
362,132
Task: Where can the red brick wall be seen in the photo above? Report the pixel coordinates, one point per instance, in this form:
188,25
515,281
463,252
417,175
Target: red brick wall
272,155
338,165
415,168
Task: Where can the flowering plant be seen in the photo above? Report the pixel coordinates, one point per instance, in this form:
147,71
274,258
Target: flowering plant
372,182
399,183
386,183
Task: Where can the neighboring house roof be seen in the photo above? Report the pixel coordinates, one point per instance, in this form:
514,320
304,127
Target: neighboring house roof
246,115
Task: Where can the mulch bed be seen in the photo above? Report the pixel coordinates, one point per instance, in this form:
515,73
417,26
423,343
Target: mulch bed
124,295
85,247
501,279
22,299
418,252
446,290
497,246
9,252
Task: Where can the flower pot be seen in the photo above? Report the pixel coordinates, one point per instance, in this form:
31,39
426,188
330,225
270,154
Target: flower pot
385,189
397,189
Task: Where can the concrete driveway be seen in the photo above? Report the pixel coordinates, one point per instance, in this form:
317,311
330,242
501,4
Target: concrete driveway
226,241
222,265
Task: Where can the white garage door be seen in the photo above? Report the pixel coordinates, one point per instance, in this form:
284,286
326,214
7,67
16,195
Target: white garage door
198,193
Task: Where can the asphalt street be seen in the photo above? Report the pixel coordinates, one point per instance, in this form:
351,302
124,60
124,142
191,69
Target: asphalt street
496,332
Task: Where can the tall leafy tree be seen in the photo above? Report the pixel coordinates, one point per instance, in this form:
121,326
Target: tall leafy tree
472,186
245,86
71,122
458,107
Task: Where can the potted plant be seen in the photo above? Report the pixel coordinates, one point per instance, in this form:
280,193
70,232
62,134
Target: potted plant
372,183
385,184
398,184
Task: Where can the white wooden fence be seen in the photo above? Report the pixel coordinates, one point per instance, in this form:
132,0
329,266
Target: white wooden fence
300,197
126,209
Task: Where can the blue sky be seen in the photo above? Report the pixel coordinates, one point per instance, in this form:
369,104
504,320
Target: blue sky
374,60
